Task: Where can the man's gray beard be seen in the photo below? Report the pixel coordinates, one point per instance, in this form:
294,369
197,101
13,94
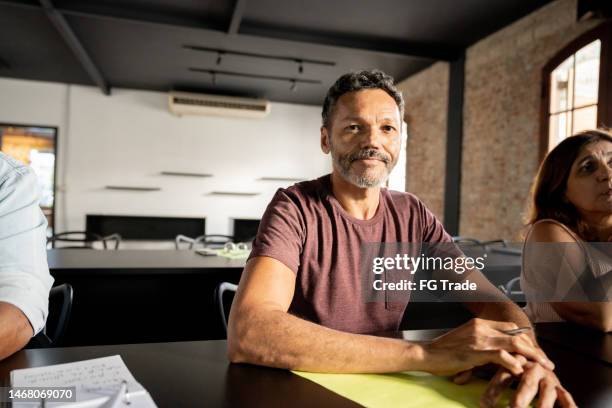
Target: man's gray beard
359,181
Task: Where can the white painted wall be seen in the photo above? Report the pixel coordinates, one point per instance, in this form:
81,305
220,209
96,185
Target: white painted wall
129,137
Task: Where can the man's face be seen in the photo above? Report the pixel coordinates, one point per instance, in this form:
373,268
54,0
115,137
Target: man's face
363,137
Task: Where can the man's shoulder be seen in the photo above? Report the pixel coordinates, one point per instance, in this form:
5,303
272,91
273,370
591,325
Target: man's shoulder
17,179
9,167
305,190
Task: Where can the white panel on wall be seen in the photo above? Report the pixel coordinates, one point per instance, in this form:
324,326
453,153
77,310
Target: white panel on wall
129,138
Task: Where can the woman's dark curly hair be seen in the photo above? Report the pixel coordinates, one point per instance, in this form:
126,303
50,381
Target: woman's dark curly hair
550,184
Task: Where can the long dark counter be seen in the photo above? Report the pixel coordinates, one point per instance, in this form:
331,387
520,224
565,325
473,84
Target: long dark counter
136,296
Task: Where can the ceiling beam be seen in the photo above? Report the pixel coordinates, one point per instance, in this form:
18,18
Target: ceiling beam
365,43
239,8
73,42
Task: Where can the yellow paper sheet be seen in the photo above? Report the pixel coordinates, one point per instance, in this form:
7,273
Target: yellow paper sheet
406,390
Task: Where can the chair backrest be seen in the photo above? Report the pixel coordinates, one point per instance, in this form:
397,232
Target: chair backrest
83,239
460,239
183,239
60,308
224,295
213,240
509,287
486,245
203,241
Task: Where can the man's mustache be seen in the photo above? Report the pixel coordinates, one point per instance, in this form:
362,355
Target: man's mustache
369,154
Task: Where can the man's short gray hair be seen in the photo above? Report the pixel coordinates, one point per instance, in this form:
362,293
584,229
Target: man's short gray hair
356,81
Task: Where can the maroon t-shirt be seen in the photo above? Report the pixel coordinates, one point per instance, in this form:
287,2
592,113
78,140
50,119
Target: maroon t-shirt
306,228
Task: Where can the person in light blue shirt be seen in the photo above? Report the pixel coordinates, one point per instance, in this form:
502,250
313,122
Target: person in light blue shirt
25,281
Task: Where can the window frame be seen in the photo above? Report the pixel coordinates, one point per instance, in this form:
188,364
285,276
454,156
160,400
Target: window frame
55,165
602,32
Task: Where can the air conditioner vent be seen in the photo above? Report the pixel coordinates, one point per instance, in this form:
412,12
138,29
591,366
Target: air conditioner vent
182,103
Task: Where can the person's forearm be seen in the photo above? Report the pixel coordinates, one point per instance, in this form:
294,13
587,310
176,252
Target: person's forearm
278,339
15,330
597,315
504,312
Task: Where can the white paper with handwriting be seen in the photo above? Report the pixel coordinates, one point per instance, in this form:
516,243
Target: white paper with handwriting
96,382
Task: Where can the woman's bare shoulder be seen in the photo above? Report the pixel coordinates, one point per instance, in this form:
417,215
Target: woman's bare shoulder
550,231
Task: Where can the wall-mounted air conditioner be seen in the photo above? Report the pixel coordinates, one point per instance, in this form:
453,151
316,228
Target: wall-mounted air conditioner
184,103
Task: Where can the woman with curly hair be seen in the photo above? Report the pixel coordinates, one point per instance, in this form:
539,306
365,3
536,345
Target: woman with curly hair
566,264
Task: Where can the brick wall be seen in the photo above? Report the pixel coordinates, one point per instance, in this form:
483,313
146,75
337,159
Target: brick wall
501,121
426,96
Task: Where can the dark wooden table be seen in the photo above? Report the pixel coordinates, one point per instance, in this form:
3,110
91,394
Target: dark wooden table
140,296
196,374
135,261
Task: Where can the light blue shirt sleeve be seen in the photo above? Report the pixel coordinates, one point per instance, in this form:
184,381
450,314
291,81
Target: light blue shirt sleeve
25,280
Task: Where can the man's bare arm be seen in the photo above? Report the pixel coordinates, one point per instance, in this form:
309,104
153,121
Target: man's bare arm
492,304
262,332
503,310
15,329
537,377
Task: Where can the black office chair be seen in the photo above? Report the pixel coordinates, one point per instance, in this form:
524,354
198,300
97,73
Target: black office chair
224,296
82,239
484,244
513,290
60,309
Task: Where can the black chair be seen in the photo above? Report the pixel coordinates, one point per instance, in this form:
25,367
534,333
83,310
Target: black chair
60,308
513,290
484,244
82,239
224,296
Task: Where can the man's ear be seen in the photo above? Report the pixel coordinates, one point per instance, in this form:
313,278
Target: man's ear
325,144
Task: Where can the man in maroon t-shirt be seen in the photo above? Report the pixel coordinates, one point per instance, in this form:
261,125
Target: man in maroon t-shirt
300,303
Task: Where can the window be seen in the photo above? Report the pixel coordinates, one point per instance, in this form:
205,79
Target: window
34,146
573,93
576,89
397,178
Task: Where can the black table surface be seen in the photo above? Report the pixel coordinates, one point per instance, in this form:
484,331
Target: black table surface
195,374
136,259
581,340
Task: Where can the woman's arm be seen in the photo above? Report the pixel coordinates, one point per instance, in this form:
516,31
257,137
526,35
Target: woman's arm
597,315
